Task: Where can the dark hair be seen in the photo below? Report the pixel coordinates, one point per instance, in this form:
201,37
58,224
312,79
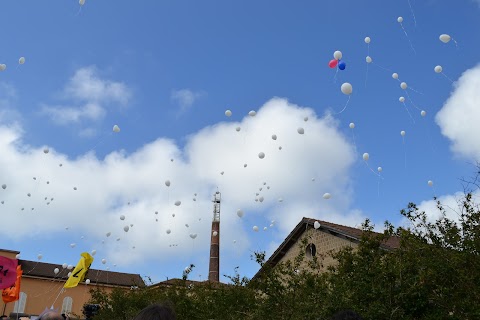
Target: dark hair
346,315
156,312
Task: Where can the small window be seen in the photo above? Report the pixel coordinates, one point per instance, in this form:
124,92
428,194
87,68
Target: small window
67,305
311,250
20,303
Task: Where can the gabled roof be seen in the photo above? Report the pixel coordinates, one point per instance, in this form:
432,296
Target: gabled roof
36,269
349,233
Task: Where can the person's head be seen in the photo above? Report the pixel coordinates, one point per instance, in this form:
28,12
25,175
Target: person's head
4,317
51,315
346,315
156,312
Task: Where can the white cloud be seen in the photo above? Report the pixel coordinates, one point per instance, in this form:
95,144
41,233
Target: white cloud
458,119
67,115
88,97
133,185
186,98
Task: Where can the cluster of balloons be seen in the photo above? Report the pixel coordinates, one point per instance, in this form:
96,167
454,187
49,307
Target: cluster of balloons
336,62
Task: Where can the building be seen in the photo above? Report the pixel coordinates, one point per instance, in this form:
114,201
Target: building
319,242
41,288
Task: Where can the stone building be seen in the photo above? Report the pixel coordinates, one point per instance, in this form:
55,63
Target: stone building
319,242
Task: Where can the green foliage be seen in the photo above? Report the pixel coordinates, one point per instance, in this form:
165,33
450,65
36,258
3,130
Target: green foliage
435,274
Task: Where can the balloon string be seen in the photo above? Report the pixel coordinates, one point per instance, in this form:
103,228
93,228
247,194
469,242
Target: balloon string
335,76
58,295
406,108
415,90
354,142
386,69
366,76
413,13
405,151
375,173
345,105
412,101
408,38
456,44
447,77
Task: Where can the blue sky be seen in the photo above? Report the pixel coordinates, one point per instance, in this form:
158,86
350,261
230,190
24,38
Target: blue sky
165,72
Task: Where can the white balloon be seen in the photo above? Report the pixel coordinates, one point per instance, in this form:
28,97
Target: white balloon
346,88
178,202
244,165
430,183
438,69
69,274
64,266
70,267
367,40
366,156
21,60
3,67
423,113
260,199
87,281
108,234
252,113
193,235
327,196
368,59
4,186
104,261
116,128
337,55
238,129
280,200
274,136
261,155
401,99
403,85
300,130
122,217
126,228
395,75
46,150
17,256
316,224
167,183
56,270
72,245
379,169
255,228
445,38
402,133
215,233
81,2
169,231
94,252
228,113
234,241
399,19
264,228
240,213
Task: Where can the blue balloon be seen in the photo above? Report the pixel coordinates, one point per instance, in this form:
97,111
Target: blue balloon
342,65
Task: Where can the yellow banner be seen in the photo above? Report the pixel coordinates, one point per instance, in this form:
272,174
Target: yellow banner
78,274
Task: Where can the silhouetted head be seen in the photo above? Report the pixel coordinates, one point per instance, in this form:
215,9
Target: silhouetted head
156,312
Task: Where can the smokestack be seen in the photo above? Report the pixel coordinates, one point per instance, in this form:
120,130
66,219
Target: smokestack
214,267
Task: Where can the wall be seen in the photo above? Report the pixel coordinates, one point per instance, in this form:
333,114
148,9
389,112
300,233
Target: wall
323,241
42,293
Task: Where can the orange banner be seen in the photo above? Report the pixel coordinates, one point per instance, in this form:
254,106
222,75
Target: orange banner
12,294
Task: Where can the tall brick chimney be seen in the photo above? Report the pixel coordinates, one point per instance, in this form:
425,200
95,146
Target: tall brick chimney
214,267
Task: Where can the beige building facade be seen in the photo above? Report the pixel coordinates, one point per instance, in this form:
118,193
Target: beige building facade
318,238
41,288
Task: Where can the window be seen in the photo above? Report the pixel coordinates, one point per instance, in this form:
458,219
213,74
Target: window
67,305
20,303
311,250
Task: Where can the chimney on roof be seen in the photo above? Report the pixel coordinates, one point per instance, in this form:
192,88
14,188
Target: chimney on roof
214,267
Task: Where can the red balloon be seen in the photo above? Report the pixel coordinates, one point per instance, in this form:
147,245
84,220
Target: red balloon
333,63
